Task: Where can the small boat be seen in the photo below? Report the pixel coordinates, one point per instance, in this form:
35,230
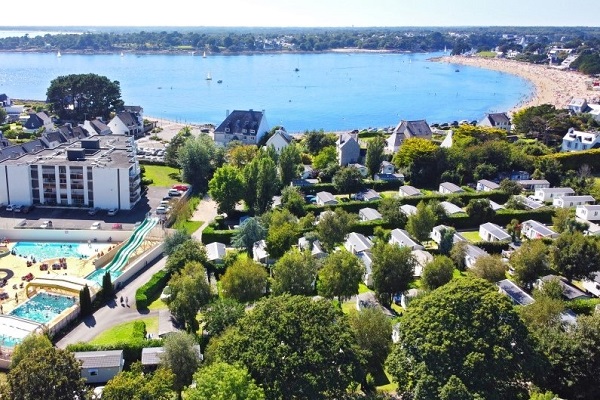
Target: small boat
457,70
296,69
58,54
219,81
121,54
208,77
204,55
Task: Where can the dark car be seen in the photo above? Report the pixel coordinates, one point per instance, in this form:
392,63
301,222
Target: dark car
26,209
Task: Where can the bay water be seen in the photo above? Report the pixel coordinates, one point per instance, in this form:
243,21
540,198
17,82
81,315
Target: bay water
330,91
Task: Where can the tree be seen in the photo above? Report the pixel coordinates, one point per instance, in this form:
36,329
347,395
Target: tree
575,256
419,157
172,241
480,210
529,262
189,292
221,314
3,115
295,273
389,208
85,301
281,237
420,224
446,241
249,232
550,169
437,273
108,289
479,338
454,389
267,184
198,158
514,229
564,221
375,154
326,156
293,200
181,356
29,347
189,251
222,381
47,373
294,346
172,152
458,254
137,385
510,187
373,332
226,188
545,312
488,267
393,270
333,227
315,141
289,161
340,275
244,281
78,97
348,180
240,155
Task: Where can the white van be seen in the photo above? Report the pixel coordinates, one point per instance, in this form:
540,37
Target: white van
174,192
161,210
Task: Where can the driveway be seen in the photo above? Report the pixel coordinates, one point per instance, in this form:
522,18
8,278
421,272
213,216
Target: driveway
206,212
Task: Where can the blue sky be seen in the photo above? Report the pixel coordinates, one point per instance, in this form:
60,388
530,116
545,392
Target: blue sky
308,13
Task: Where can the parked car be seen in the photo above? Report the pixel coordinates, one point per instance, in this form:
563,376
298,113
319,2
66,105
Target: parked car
10,207
181,188
161,210
18,209
174,192
112,211
96,225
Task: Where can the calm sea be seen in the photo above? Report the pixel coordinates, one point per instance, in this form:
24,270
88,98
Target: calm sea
333,91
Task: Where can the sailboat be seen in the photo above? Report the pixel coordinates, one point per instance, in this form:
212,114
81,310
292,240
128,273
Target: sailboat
208,77
204,55
445,50
58,54
121,54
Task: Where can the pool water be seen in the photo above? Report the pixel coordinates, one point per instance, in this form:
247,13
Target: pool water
9,341
45,251
43,307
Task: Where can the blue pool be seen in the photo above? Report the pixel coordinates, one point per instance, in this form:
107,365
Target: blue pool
43,307
8,341
45,251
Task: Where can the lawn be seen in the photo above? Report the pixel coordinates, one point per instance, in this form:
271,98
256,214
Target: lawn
472,236
123,332
486,54
157,304
162,175
188,226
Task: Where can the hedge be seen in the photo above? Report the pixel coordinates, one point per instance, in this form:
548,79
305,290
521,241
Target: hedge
575,159
132,351
493,247
378,186
151,288
210,235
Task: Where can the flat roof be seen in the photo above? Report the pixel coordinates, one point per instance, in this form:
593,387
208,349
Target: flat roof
100,359
517,294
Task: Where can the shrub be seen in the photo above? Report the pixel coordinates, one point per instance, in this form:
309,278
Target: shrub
151,289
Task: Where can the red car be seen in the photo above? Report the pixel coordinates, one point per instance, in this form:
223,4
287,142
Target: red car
181,188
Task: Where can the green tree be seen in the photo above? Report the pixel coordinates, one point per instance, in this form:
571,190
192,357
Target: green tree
375,154
373,332
293,200
437,273
294,346
172,241
545,312
529,262
85,301
289,161
84,96
348,180
295,273
3,115
480,210
181,356
189,292
564,221
326,156
221,314
249,232
137,385
222,381
267,184
226,188
393,270
575,256
489,267
172,152
108,289
510,187
29,347
281,237
389,208
188,251
419,158
198,158
420,224
240,155
340,275
244,281
446,241
458,253
454,389
514,229
478,337
47,373
333,227
549,169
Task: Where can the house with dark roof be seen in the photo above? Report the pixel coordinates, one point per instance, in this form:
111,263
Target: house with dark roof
127,123
533,184
100,366
279,140
348,149
244,126
96,127
5,101
496,120
569,291
406,130
38,120
515,293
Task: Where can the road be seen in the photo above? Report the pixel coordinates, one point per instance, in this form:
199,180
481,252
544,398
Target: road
114,313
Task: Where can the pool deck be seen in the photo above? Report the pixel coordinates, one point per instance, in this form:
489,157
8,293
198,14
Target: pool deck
76,267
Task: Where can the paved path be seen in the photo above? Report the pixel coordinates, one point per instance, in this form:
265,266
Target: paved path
113,313
206,212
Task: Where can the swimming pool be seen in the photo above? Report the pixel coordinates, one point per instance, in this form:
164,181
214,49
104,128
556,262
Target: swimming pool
48,250
43,307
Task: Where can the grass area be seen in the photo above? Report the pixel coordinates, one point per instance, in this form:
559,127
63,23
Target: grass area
486,54
184,214
390,387
157,304
188,226
124,332
348,306
472,236
162,175
362,288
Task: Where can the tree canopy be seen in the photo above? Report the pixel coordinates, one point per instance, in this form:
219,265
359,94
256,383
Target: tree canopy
136,385
244,281
181,357
295,273
226,188
189,292
198,158
340,275
222,381
393,270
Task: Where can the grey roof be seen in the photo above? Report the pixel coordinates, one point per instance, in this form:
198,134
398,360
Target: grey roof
358,242
402,236
369,195
417,128
475,252
99,126
557,190
528,202
451,187
451,208
151,355
129,119
410,190
100,359
495,230
578,198
368,300
316,249
326,197
215,251
577,101
369,214
408,209
239,120
488,183
495,206
539,227
498,118
133,109
569,291
388,177
532,182
518,295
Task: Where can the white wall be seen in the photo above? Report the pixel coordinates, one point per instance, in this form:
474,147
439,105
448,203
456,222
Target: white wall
106,191
3,187
19,185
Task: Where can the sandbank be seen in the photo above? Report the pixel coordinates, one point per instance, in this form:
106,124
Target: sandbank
551,85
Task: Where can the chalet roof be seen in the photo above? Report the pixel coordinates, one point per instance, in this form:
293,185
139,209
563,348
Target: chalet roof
569,291
451,187
370,214
488,184
498,119
539,227
326,197
410,190
240,120
495,230
358,242
401,236
133,109
418,128
408,209
100,359
557,190
128,119
451,208
215,251
3,97
518,295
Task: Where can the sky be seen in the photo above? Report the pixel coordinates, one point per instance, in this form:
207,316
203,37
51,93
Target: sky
308,13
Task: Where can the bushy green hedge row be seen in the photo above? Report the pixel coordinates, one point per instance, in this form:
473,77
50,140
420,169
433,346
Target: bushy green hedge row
132,351
493,247
575,159
151,288
379,186
210,235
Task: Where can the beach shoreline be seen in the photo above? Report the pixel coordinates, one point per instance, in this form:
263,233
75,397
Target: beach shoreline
550,85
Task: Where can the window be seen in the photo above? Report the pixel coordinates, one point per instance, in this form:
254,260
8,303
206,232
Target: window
93,372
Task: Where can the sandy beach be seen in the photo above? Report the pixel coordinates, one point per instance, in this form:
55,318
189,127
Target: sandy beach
552,86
